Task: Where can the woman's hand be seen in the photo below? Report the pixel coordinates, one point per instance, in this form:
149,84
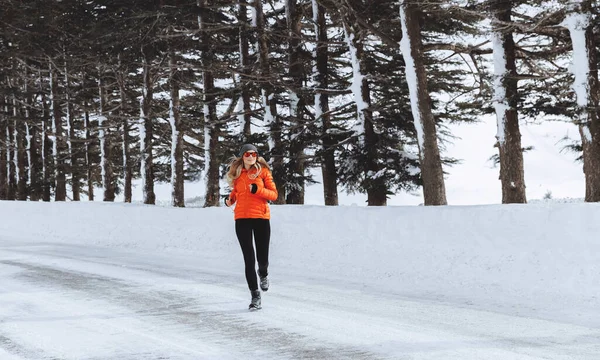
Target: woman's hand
228,202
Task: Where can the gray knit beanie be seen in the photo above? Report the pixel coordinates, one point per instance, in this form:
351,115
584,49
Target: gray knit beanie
247,147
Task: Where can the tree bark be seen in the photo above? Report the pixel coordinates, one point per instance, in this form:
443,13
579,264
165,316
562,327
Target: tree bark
10,156
328,169
18,159
33,158
589,111
434,189
127,170
246,70
46,151
211,125
59,151
377,189
75,181
20,153
295,193
88,146
271,120
34,163
177,188
147,134
591,147
103,136
3,162
374,185
512,175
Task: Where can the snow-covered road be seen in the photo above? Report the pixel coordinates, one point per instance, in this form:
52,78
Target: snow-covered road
74,302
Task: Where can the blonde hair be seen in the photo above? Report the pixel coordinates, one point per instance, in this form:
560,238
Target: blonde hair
236,165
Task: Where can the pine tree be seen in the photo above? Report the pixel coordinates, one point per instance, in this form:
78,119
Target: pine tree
322,108
587,88
412,48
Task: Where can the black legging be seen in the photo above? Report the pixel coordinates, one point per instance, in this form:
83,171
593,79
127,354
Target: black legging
262,236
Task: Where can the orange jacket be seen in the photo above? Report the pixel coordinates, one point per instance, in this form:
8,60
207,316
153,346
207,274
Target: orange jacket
249,205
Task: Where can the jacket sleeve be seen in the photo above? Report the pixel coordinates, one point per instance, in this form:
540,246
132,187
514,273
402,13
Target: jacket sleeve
269,190
233,196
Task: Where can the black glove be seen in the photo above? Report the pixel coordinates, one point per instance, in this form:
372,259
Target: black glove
253,188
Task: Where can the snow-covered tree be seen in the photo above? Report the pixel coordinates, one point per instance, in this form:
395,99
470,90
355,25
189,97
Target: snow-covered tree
512,174
211,124
434,190
104,124
58,137
146,129
580,22
322,113
177,188
271,120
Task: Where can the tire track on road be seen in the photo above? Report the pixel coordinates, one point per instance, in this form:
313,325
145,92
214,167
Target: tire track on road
184,315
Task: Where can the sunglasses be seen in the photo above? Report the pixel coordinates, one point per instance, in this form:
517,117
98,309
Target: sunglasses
250,154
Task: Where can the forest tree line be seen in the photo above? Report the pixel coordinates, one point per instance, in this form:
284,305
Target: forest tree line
97,94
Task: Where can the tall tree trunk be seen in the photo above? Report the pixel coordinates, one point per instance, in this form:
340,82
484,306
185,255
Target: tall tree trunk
3,162
33,158
60,192
177,188
376,187
88,147
46,152
434,189
295,193
328,169
271,120
127,170
377,190
19,155
10,155
20,160
211,125
103,136
512,175
75,185
246,69
587,89
147,134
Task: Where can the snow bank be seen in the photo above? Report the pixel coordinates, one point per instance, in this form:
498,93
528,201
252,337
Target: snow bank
537,259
